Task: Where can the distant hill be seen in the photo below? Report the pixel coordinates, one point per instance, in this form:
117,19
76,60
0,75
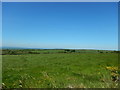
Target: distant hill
7,47
12,48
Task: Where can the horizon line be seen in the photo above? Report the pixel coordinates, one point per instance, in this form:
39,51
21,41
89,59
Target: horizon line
7,47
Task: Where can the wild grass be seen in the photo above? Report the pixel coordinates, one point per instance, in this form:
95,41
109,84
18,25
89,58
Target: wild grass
59,70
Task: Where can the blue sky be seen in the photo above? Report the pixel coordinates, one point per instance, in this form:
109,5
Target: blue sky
60,25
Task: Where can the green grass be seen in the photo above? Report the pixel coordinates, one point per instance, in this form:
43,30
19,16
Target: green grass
59,70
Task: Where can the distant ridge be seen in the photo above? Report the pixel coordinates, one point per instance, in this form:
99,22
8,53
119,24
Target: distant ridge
22,48
7,47
12,48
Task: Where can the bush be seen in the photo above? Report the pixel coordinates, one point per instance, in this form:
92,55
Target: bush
72,50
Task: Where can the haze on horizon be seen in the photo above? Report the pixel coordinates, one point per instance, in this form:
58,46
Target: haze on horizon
60,25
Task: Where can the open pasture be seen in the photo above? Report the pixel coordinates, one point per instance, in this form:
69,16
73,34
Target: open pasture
59,70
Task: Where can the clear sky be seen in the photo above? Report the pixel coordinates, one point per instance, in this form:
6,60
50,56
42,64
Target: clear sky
60,25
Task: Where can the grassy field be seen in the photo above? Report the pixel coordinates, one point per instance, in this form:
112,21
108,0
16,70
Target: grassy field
60,69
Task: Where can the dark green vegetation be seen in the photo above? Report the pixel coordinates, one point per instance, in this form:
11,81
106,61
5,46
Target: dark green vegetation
49,51
58,68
